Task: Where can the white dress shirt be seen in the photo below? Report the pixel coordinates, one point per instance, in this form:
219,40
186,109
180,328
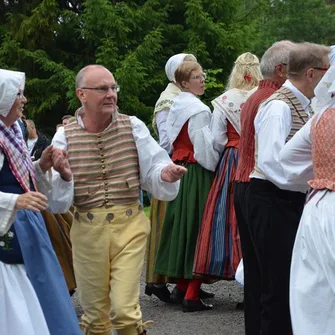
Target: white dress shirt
273,124
152,159
58,191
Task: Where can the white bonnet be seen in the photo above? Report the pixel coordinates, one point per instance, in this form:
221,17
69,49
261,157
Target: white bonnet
172,65
10,83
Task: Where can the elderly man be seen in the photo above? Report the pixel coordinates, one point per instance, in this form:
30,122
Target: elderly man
274,205
111,156
274,70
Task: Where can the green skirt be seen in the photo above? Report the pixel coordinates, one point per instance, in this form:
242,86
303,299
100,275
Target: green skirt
182,223
157,215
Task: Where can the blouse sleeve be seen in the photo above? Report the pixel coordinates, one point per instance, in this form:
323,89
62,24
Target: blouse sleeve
164,140
219,130
296,156
203,140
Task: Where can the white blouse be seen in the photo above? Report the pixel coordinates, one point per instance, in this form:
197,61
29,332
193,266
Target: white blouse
187,107
164,141
58,191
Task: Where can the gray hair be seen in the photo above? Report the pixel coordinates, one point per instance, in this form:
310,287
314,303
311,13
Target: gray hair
81,74
278,53
305,56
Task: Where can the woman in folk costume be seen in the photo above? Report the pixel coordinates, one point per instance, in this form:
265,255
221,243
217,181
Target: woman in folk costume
34,297
193,146
156,284
310,156
218,248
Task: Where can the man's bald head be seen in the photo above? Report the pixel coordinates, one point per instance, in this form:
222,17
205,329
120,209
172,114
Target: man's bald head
81,75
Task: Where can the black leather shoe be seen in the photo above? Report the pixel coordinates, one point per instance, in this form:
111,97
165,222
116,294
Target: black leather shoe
206,295
189,306
177,296
162,293
240,306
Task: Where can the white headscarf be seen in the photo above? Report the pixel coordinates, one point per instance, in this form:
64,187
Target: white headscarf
10,83
172,65
324,91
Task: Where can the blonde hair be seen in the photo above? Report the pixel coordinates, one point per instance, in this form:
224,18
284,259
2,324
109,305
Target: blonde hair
304,56
184,70
246,72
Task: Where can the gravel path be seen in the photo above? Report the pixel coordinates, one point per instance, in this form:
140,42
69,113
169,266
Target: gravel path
224,319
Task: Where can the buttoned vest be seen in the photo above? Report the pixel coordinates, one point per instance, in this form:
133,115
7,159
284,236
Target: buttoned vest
105,165
299,118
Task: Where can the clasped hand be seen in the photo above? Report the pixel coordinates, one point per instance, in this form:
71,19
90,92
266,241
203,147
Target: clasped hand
56,158
51,157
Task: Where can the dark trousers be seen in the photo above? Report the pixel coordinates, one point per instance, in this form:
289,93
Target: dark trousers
273,217
252,275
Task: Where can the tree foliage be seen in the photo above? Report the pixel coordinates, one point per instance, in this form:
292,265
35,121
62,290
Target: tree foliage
52,40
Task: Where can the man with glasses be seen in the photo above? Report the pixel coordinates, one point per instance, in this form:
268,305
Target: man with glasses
273,67
111,155
275,206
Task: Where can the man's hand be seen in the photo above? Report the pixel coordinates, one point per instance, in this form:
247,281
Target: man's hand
34,201
61,164
45,161
172,173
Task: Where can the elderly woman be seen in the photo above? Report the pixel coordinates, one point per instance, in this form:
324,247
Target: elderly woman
34,297
156,284
193,146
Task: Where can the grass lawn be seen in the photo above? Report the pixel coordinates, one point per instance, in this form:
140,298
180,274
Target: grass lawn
147,211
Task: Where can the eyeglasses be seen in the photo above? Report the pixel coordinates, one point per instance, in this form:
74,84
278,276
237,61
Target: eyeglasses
20,95
200,77
103,89
321,68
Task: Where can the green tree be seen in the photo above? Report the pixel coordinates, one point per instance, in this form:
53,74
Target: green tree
51,40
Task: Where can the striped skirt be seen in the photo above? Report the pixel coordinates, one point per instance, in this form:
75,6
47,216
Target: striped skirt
157,215
218,250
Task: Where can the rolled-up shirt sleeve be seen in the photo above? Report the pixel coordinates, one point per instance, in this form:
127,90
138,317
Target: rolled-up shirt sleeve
296,157
203,140
152,160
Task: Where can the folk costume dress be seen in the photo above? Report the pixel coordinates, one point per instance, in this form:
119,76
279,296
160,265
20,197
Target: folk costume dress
312,290
34,295
158,207
218,250
188,126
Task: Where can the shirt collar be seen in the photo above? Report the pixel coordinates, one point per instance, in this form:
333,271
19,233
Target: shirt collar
305,102
80,113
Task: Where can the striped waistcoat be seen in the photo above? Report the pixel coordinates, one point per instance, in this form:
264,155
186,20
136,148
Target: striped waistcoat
104,165
299,118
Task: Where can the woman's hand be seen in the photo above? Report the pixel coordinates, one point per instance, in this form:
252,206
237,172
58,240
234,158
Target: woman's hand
34,201
45,161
